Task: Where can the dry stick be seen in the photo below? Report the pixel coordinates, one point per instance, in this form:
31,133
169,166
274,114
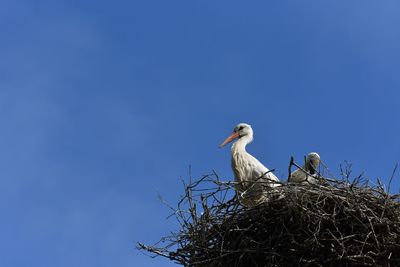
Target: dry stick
154,250
388,190
326,167
392,176
290,168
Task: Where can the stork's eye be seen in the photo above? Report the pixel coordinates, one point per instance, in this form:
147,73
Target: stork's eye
241,128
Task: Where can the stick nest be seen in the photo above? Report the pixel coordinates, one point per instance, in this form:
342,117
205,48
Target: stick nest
340,223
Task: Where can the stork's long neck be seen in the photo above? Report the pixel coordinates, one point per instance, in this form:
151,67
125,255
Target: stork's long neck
240,145
309,167
240,159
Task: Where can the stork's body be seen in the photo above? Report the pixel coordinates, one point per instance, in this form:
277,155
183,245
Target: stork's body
309,172
251,176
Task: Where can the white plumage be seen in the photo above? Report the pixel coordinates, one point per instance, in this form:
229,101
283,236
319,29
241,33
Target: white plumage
251,176
308,174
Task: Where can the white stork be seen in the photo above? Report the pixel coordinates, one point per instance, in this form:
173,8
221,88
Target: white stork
308,174
251,176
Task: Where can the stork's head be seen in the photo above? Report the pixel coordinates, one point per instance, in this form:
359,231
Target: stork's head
312,162
241,130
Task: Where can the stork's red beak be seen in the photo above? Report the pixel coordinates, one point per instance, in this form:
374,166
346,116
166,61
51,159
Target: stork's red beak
232,137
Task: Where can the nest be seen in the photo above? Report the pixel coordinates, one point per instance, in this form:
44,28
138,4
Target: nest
340,223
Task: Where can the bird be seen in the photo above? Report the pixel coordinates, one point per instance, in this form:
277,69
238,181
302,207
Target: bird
252,178
308,174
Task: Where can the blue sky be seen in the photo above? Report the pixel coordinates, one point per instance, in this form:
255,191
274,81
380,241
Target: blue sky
103,104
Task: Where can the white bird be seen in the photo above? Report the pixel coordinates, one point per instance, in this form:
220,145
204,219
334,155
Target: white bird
308,173
251,176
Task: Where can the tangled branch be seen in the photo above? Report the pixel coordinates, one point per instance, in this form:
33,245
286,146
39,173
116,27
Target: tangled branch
343,222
